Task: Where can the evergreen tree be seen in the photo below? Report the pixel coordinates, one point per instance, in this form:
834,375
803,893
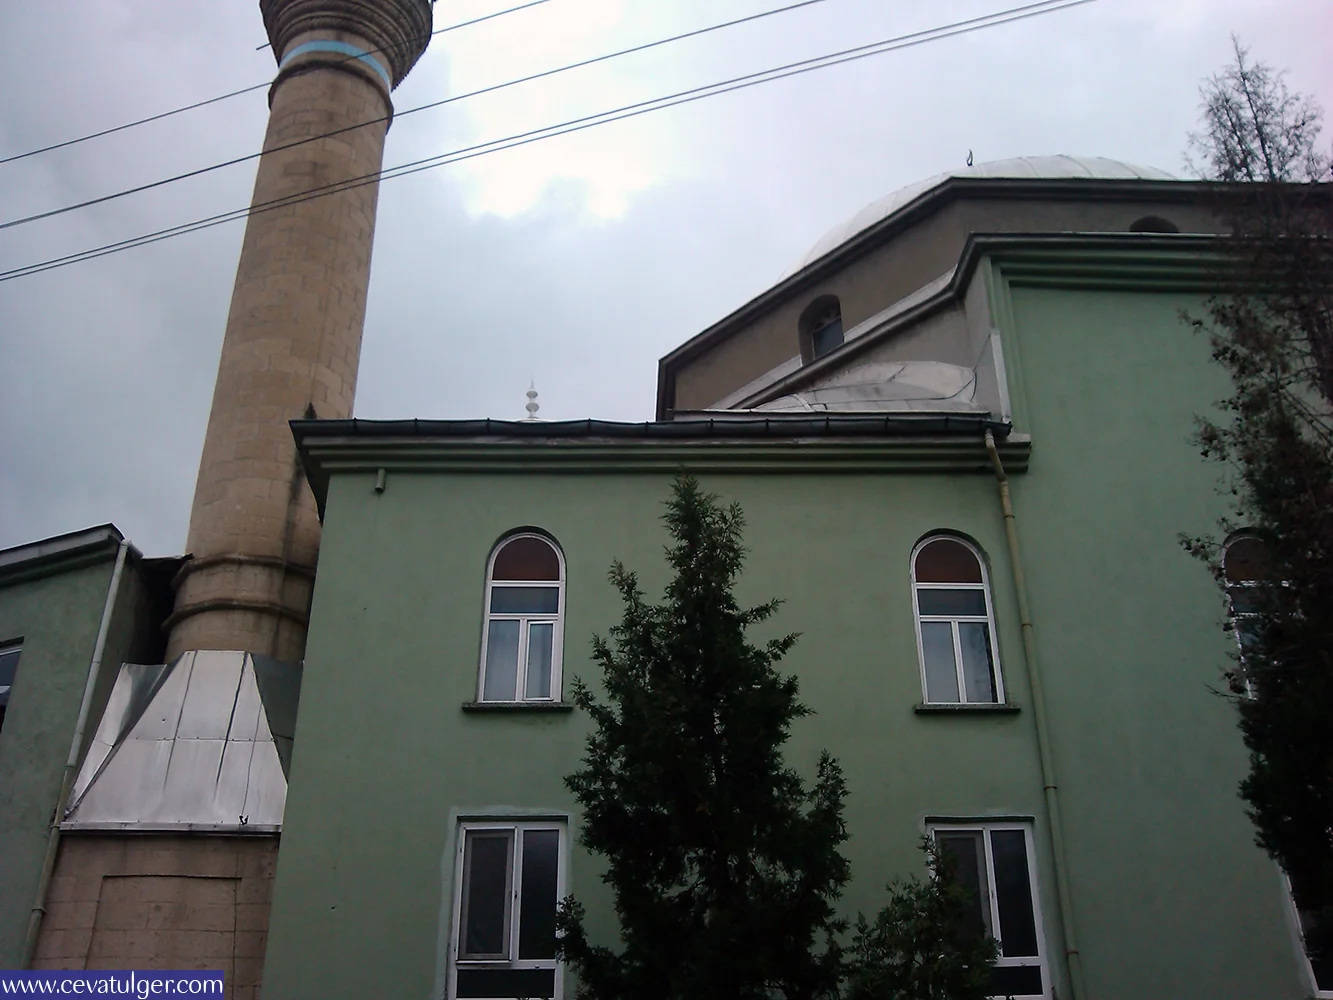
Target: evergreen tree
1272,329
724,867
927,943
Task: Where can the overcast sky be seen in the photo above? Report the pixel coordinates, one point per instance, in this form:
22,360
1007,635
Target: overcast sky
577,261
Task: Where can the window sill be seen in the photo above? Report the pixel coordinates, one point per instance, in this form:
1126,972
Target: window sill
517,706
964,708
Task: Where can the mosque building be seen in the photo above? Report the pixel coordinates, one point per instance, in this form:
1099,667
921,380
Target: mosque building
960,432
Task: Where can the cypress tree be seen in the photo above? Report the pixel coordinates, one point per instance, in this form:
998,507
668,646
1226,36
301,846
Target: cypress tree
724,866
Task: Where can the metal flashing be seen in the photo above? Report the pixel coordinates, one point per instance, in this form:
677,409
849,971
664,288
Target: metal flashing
201,743
61,552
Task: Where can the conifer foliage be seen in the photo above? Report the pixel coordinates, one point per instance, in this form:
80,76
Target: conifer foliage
725,868
927,942
1272,329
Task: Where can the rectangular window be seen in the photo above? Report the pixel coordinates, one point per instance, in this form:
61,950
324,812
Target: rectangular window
994,862
9,664
509,878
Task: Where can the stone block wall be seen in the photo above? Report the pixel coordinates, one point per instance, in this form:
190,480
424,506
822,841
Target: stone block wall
146,901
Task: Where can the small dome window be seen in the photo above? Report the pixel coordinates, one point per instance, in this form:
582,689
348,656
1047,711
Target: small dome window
1153,224
820,327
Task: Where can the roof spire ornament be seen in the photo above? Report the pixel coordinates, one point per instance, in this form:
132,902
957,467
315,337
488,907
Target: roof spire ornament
532,405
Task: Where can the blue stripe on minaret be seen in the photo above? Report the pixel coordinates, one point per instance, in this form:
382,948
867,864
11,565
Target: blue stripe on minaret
342,48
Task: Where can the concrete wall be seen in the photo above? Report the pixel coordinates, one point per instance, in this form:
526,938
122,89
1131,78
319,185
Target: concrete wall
55,611
161,902
1171,898
892,271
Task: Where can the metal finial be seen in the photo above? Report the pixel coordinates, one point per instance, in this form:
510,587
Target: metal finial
532,406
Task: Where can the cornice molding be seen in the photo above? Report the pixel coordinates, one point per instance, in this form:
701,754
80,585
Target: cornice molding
1107,261
325,457
928,203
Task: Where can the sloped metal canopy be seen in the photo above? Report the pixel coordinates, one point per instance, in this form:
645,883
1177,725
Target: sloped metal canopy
891,386
203,742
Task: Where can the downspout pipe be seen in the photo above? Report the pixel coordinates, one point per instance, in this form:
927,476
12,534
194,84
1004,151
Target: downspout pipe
72,762
1049,786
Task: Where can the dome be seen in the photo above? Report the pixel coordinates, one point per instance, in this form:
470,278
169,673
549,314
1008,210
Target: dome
1029,167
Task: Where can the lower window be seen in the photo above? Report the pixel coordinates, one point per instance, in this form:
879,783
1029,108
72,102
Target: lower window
9,664
994,862
508,878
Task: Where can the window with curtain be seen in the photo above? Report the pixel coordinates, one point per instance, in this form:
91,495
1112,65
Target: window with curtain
521,643
955,625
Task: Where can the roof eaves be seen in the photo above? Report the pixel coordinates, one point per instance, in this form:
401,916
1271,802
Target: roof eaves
929,201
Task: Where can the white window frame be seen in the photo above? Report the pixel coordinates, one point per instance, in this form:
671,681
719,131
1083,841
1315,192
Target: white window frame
11,647
526,621
515,830
985,828
954,620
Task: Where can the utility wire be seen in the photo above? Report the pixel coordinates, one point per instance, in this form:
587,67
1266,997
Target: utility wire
237,93
440,31
402,114
573,125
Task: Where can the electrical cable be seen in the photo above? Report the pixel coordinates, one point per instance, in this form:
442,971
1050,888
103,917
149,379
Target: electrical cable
573,125
237,93
102,199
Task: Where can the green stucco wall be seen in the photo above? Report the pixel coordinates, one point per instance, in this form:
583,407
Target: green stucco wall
56,614
1170,896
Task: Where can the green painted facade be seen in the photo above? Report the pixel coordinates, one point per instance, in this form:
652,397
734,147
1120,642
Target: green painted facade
1169,896
54,605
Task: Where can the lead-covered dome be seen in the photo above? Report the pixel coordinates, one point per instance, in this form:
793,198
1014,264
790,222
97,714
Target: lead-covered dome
1020,167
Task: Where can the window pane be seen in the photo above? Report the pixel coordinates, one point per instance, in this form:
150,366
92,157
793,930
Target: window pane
485,916
531,983
526,559
941,671
501,682
536,914
525,600
1245,559
1013,894
951,602
947,561
9,662
827,337
1246,600
541,635
978,664
1015,981
969,872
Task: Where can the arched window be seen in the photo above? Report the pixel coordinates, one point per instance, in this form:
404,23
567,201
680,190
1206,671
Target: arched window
1248,569
820,327
521,644
955,626
1153,224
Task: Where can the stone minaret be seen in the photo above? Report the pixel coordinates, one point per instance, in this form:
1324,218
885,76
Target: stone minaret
293,335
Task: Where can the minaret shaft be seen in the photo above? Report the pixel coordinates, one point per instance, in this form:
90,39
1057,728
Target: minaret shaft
293,336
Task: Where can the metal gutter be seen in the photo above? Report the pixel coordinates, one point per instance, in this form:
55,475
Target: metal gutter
21,562
72,760
1050,788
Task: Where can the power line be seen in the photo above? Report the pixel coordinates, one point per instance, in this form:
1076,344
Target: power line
237,93
440,31
402,114
573,125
